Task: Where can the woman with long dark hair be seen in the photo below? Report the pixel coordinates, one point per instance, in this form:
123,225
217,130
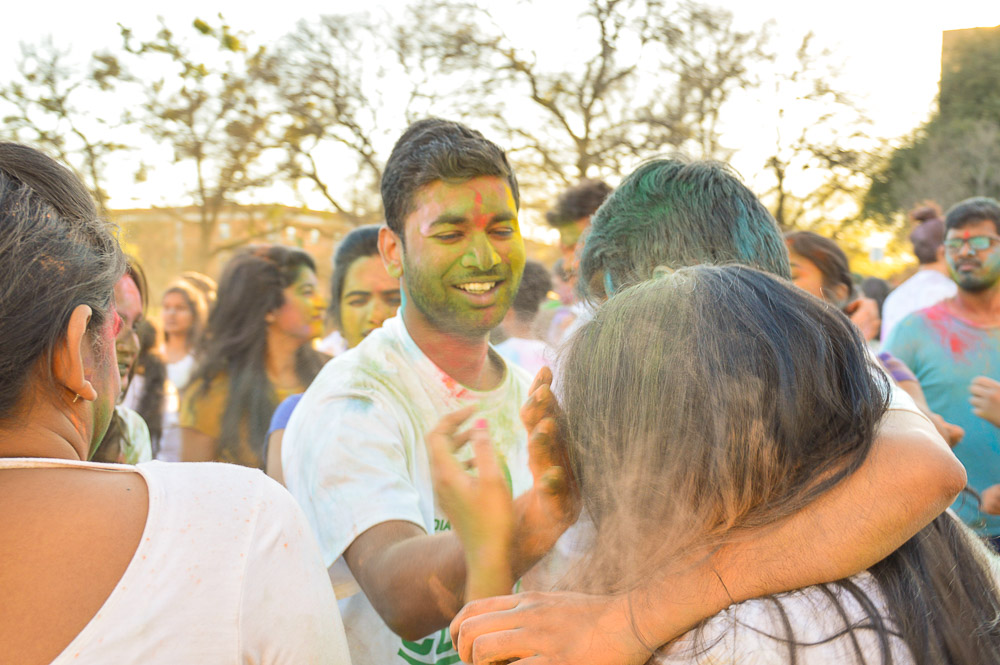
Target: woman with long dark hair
255,353
106,563
716,401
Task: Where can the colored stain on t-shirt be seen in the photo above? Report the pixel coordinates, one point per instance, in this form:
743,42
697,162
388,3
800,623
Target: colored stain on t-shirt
946,353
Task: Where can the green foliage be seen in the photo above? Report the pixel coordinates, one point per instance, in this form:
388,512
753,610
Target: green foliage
956,154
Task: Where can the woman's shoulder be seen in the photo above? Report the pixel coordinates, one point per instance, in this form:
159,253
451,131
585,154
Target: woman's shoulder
815,622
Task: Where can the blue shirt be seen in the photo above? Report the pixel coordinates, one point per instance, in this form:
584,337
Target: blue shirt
281,415
947,353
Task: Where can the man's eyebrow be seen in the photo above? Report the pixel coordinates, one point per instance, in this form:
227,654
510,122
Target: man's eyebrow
449,220
357,292
457,220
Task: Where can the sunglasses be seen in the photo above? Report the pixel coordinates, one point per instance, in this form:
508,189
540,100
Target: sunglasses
976,243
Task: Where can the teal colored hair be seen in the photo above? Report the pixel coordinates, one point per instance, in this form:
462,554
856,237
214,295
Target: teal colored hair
677,214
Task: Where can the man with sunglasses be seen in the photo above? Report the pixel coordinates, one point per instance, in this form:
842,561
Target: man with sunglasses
954,349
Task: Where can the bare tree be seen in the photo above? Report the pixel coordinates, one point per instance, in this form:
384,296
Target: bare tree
820,138
601,114
326,74
43,108
215,116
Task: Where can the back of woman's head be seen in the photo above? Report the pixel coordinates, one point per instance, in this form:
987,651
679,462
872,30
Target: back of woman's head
55,254
724,399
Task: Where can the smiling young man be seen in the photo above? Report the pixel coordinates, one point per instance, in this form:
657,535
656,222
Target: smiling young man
950,344
354,454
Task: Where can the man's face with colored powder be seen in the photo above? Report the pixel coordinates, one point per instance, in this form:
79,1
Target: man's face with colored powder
973,270
463,257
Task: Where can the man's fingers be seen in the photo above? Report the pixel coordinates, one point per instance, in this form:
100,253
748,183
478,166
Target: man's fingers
486,458
477,608
500,648
443,440
985,383
458,440
544,376
451,422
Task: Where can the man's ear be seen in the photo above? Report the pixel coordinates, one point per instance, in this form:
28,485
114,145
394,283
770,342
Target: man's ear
71,356
390,246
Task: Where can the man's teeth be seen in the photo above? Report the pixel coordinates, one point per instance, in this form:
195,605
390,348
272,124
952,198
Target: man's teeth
477,287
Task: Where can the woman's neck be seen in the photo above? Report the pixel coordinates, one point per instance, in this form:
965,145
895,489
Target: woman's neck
46,431
175,347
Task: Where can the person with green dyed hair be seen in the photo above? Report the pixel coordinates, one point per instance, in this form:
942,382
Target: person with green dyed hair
665,216
675,214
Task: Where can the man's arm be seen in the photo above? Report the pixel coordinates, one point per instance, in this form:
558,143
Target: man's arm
910,477
417,582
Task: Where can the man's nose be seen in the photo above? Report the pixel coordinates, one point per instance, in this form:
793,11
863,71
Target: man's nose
481,254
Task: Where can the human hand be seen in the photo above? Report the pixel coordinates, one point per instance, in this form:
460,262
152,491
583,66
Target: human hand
480,509
551,505
952,434
985,399
990,501
863,313
557,628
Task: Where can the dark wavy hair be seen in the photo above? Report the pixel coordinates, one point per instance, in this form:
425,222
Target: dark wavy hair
235,341
360,243
726,400
55,254
431,150
154,377
579,201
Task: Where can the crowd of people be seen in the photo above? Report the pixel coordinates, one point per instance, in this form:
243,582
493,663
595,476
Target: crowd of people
693,439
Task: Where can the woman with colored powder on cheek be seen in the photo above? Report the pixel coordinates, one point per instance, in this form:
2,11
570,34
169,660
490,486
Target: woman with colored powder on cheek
257,351
127,440
86,546
362,296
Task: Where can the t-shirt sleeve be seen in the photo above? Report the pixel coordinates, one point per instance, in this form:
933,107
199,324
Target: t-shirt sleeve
346,463
288,613
202,411
903,341
281,415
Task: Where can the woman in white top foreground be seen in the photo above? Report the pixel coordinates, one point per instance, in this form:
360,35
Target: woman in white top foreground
110,564
710,403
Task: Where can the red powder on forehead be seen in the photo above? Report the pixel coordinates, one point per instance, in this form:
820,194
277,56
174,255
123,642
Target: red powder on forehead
965,236
479,198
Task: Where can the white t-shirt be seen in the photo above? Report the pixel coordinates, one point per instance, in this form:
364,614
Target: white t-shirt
179,373
354,456
754,633
227,572
925,288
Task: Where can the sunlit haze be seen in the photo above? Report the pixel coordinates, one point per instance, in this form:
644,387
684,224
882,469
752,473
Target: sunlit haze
890,53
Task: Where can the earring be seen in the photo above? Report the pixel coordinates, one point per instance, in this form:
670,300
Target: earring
76,398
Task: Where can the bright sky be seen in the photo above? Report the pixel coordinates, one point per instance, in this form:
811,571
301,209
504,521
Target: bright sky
890,50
